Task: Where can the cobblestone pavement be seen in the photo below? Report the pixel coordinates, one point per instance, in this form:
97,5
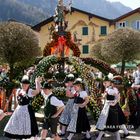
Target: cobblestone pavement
134,135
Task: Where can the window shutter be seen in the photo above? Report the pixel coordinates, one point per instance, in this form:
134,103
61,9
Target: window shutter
103,30
127,23
134,25
85,30
85,49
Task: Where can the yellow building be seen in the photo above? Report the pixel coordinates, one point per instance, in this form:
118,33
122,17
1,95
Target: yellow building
86,28
130,19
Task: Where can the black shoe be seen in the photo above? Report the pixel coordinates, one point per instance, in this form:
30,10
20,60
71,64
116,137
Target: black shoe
125,135
136,127
86,138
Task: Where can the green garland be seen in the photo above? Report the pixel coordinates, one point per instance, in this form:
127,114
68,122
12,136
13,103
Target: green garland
43,66
82,69
37,102
60,92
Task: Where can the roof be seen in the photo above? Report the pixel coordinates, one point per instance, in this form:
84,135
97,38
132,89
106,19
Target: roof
39,25
128,14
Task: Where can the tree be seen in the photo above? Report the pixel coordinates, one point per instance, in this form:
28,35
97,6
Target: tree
122,45
96,50
18,43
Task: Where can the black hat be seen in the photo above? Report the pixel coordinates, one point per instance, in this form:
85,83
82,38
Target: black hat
47,85
106,78
69,78
25,81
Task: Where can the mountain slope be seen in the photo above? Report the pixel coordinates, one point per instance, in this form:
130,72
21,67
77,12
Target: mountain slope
34,11
102,7
11,9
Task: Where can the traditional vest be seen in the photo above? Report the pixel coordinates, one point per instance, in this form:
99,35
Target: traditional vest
49,110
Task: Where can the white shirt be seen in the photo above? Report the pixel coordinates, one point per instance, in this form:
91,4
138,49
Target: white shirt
30,91
113,91
53,101
136,76
83,94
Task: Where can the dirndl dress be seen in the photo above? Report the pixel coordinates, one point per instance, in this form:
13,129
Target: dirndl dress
79,120
22,123
109,117
66,114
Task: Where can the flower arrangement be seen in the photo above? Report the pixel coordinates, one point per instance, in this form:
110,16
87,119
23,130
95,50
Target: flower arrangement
92,106
37,102
43,66
60,92
83,70
67,42
101,65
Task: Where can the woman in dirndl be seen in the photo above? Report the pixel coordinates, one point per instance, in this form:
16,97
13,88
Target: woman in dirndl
111,117
22,123
66,114
79,120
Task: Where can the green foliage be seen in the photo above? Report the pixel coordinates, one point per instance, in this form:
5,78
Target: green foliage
121,45
96,50
37,102
19,44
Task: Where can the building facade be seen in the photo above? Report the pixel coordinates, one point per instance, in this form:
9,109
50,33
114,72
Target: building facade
87,28
131,20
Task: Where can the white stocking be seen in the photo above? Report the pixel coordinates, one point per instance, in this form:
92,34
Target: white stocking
70,136
100,135
117,134
88,134
123,127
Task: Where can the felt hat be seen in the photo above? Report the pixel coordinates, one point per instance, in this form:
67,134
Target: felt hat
47,85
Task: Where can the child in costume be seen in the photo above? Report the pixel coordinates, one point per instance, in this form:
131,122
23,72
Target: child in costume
66,114
79,121
53,108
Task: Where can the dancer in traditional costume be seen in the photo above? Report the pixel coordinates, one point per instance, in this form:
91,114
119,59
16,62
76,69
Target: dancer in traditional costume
22,123
52,110
66,114
116,83
79,120
111,117
136,87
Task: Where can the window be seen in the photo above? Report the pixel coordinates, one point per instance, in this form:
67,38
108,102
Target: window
122,24
103,30
138,24
85,31
85,49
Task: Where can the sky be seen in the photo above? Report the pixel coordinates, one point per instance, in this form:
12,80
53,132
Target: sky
130,3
